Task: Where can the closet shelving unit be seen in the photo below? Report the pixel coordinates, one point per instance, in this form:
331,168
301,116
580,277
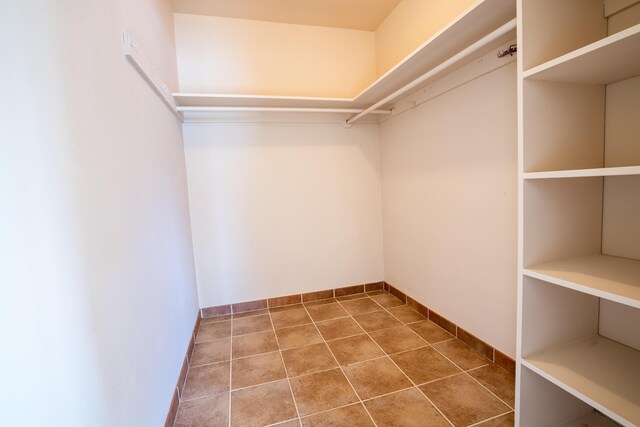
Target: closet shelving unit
481,19
579,260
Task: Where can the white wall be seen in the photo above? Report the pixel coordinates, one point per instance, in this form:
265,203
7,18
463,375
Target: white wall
280,209
98,295
449,179
226,55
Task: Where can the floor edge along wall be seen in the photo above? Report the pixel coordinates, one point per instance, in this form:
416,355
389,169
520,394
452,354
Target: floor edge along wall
227,311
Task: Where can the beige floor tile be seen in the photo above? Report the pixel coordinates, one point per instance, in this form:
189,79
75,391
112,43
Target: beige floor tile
425,364
213,331
461,354
377,320
507,420
322,391
206,380
298,336
326,312
308,359
406,314
462,400
394,340
348,416
430,332
248,345
501,382
207,412
406,408
288,318
376,377
360,306
250,325
261,405
387,300
256,370
211,352
354,349
339,328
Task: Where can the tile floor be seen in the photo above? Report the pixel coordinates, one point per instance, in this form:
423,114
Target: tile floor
361,360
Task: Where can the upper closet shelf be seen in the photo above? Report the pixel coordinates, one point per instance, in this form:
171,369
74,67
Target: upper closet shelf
613,278
479,21
609,60
585,173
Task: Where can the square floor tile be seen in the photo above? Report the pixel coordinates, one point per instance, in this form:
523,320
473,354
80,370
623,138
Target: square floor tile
501,382
308,359
406,314
288,318
298,336
325,312
213,331
206,380
394,340
207,412
360,306
376,377
424,365
262,405
387,300
348,416
322,391
256,370
405,408
292,423
462,400
461,354
250,325
211,352
339,328
354,349
430,332
248,345
377,320
507,420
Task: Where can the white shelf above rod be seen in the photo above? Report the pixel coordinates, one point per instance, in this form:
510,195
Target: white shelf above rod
281,109
509,26
131,51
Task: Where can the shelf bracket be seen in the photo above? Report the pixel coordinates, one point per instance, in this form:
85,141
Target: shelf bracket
131,51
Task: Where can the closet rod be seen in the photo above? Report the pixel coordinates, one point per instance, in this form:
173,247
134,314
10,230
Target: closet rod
446,64
283,109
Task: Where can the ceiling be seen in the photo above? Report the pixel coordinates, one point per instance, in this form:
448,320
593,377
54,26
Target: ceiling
354,14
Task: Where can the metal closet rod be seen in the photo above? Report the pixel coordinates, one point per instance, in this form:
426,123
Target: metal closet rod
283,109
446,64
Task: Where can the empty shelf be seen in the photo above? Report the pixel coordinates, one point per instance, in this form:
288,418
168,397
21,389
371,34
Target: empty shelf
583,173
599,371
613,278
609,60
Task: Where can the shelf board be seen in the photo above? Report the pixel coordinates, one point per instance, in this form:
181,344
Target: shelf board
479,20
584,173
609,60
593,419
613,278
599,371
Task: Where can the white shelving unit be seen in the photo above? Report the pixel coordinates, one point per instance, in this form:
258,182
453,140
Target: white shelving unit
579,252
481,19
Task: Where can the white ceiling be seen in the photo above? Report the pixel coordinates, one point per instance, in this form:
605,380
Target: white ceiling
355,14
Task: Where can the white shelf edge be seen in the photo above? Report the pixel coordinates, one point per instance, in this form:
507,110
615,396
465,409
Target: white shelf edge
578,53
482,17
584,173
570,389
582,287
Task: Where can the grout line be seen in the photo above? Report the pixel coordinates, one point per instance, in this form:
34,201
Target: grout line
230,366
403,373
284,365
341,369
489,419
